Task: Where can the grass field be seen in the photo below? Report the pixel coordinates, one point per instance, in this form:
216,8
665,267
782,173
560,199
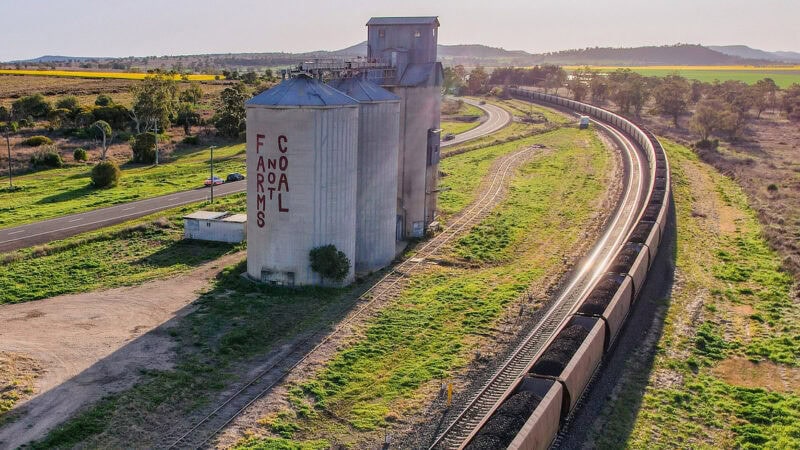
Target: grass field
432,330
130,253
456,127
56,192
112,75
726,372
784,76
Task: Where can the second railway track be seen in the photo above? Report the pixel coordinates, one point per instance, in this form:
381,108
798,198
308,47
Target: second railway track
204,430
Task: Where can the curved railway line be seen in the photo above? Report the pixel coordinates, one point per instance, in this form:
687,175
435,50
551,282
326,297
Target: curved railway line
205,429
536,388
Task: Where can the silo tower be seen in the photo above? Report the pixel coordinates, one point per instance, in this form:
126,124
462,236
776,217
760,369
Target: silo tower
408,45
302,150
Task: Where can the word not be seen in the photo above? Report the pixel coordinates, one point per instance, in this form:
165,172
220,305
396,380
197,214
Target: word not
271,178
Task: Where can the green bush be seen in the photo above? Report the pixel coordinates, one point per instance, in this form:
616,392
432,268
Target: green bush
105,174
79,154
192,140
144,148
47,157
329,262
103,100
37,141
33,105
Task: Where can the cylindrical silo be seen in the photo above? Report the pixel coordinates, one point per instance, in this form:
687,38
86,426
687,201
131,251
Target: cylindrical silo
302,150
378,142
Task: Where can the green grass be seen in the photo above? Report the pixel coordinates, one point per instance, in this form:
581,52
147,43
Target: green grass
731,271
432,329
52,193
457,127
126,254
782,78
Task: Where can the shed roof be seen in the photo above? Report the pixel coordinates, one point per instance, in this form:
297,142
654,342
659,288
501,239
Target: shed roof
428,20
301,91
363,90
205,215
239,218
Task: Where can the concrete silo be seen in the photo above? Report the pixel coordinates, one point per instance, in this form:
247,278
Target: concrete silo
302,150
378,142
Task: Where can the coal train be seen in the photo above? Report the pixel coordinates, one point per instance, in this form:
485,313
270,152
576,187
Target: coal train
532,410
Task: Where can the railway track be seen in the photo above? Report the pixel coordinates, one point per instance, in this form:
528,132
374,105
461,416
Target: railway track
479,404
206,428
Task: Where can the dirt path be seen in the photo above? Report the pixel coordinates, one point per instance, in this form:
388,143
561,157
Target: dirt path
92,344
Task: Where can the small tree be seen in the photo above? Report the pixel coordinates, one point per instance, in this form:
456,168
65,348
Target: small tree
230,118
192,94
144,148
706,119
187,116
672,96
8,129
103,100
79,154
105,174
329,262
103,130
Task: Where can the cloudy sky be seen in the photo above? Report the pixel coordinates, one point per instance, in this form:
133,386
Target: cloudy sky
34,28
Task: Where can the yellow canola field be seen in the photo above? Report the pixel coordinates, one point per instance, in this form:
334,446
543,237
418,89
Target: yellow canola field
87,74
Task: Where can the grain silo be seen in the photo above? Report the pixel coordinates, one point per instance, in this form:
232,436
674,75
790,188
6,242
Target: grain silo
378,142
302,147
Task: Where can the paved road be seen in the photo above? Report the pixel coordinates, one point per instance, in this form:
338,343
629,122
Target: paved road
59,228
496,119
48,230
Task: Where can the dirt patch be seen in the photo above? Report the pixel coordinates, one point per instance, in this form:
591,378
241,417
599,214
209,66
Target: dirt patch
92,344
743,310
745,373
18,373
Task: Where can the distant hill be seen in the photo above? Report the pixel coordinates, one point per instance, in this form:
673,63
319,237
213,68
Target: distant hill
468,55
746,52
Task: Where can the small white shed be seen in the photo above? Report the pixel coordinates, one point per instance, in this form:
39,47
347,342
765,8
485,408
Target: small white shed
215,226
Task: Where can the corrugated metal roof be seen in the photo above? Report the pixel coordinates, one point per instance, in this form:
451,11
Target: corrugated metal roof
404,21
301,91
205,215
363,90
417,74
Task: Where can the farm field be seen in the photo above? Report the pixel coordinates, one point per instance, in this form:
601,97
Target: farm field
784,76
100,74
726,370
56,192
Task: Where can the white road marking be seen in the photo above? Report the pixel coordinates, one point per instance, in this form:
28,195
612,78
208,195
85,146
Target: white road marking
16,232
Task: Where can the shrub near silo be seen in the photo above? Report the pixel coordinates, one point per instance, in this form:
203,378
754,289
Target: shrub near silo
105,174
329,262
144,148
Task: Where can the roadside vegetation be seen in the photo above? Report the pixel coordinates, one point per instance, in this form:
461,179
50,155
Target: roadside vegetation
430,333
52,193
130,253
726,372
459,116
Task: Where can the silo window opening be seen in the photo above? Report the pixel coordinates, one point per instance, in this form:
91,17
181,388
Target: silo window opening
417,34
381,33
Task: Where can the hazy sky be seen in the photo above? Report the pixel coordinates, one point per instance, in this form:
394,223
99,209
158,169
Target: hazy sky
33,28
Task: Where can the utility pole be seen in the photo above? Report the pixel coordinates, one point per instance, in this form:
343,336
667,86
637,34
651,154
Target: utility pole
156,134
9,126
212,173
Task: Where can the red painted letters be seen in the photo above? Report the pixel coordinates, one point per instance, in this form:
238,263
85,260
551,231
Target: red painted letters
273,173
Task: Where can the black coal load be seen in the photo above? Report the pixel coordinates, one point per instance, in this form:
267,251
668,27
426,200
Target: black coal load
641,232
657,197
660,184
560,351
627,256
661,171
651,213
601,296
507,420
